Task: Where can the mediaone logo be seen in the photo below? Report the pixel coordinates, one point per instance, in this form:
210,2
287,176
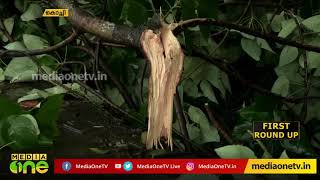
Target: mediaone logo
29,164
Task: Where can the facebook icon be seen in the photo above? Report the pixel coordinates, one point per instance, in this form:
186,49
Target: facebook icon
66,166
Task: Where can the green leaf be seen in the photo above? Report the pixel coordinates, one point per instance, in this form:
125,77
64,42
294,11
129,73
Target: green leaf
288,26
317,72
245,35
32,95
38,94
190,66
48,61
33,42
58,89
264,44
190,88
23,130
312,23
63,21
48,115
193,131
281,86
313,110
134,12
115,96
196,115
196,70
284,155
208,91
240,131
99,150
1,75
288,54
8,24
235,151
208,133
21,69
276,22
45,141
300,146
215,76
188,9
17,45
266,155
252,48
253,113
290,71
33,12
312,60
312,56
225,81
21,5
8,108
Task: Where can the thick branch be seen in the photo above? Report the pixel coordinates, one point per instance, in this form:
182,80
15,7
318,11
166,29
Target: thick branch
204,21
129,36
119,34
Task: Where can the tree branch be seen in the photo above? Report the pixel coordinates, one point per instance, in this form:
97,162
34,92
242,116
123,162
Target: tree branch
182,119
217,125
125,35
119,34
205,21
15,53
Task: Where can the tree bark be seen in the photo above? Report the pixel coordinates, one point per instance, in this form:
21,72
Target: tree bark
108,31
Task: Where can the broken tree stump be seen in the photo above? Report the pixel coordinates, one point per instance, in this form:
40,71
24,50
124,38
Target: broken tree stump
165,55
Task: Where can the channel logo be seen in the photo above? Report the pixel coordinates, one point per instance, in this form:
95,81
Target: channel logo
190,166
29,164
128,166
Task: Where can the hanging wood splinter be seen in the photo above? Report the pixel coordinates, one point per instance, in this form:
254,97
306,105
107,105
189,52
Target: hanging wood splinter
165,55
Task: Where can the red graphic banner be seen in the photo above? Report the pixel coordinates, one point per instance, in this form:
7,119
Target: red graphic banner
150,166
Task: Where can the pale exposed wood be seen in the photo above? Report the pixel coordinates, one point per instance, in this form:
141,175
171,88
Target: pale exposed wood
165,55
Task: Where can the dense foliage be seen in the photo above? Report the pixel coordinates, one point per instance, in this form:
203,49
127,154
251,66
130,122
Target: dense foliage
236,77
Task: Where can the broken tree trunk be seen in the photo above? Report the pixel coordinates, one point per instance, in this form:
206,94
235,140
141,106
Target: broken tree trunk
165,55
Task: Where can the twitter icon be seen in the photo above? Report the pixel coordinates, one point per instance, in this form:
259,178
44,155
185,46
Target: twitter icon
127,166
